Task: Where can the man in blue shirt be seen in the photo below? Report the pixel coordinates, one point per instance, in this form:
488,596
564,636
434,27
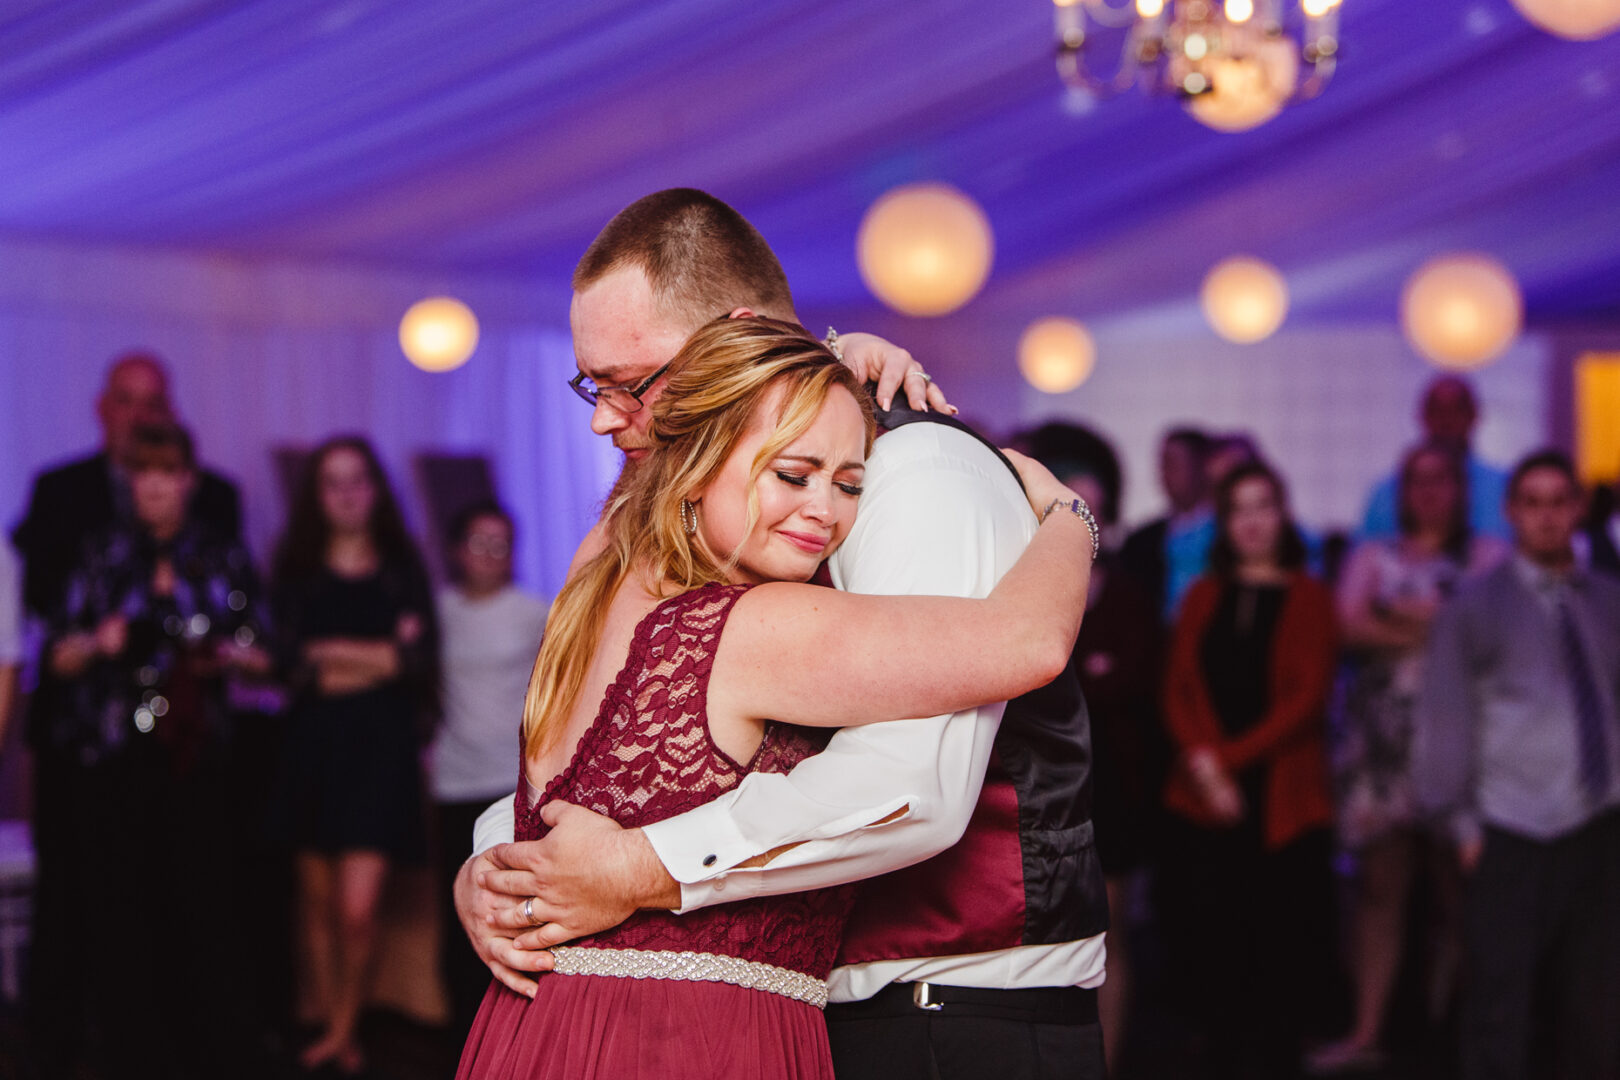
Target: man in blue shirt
1448,412
1170,553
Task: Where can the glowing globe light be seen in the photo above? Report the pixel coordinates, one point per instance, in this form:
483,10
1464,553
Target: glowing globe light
1056,354
1246,91
925,249
438,334
1461,311
1579,20
1244,299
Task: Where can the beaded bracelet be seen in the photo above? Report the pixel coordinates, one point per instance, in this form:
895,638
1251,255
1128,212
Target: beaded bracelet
1080,510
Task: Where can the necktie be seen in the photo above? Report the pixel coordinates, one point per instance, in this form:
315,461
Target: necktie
1590,722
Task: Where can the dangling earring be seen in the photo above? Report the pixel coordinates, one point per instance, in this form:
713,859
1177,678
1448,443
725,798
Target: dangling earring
689,517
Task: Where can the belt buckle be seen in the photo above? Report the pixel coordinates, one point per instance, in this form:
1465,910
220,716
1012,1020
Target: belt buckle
919,998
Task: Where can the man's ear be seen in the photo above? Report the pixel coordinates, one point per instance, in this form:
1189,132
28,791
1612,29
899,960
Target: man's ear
741,313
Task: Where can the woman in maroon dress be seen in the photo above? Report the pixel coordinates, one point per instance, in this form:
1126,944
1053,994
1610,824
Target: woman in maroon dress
678,659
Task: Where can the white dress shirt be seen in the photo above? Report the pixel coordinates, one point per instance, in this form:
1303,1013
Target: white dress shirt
941,515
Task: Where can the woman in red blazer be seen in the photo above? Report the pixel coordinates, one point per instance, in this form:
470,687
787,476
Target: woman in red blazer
1247,893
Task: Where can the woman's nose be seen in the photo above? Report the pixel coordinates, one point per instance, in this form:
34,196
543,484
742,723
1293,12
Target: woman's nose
818,505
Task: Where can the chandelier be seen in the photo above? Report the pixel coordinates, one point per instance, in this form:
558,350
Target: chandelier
1234,63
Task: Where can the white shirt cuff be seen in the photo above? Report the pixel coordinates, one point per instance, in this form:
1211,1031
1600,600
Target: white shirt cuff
703,848
496,825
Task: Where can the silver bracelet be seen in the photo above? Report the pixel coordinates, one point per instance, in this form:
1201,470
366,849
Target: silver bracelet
831,341
1079,509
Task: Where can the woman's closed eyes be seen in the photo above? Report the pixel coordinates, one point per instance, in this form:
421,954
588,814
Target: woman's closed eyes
801,480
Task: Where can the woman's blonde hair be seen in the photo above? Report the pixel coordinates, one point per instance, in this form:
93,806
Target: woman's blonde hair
717,385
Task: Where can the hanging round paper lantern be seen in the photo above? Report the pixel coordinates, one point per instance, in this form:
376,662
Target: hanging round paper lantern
1056,354
1246,91
1244,299
438,334
1578,20
1461,311
925,249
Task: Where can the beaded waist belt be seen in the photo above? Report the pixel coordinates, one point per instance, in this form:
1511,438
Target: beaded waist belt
691,967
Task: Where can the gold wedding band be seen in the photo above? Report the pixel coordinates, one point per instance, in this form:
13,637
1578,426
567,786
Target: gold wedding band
528,911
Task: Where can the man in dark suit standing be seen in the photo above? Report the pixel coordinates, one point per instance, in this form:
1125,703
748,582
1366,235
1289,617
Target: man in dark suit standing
71,508
74,502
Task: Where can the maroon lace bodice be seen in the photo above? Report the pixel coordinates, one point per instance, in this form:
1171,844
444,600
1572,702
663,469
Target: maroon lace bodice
649,756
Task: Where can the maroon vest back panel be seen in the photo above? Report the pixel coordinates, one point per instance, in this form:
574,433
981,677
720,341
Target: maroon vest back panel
1025,871
923,910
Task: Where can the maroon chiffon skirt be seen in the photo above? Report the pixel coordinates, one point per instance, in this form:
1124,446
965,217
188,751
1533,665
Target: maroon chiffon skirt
597,1027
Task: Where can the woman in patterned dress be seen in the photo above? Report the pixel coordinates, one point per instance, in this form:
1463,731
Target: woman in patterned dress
680,657
1387,598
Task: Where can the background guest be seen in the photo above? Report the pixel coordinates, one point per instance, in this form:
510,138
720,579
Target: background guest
1228,452
1245,887
1388,597
1168,554
76,502
1448,412
490,634
1600,535
1517,747
159,613
356,622
11,643
1118,658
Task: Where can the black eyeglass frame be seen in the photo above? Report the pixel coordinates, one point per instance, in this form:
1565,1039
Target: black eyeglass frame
592,396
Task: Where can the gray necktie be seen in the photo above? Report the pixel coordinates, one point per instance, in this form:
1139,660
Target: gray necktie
1590,722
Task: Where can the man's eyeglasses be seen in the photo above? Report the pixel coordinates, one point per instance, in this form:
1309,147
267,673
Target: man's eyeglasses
626,399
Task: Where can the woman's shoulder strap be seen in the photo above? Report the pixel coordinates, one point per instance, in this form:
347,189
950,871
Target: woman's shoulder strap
698,610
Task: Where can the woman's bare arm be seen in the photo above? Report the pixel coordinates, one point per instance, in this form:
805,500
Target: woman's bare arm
819,657
1360,622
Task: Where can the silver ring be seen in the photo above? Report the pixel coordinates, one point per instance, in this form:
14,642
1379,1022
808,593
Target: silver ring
919,371
528,911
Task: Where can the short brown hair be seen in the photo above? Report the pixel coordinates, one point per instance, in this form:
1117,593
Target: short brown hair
701,257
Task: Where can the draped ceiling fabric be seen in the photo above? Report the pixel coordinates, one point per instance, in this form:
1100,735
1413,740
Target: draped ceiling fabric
499,135
489,139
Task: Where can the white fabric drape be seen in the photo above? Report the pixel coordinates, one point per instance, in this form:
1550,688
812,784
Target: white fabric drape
268,355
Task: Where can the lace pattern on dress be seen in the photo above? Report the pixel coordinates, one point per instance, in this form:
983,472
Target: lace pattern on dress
649,756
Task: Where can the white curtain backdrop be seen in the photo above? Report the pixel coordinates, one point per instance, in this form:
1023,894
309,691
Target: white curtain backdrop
269,354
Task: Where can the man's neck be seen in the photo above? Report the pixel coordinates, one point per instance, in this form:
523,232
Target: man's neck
164,532
1189,513
1558,564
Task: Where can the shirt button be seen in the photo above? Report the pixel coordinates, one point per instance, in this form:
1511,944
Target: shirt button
719,884
708,860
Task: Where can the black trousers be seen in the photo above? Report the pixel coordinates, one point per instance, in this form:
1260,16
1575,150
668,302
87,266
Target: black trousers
1248,938
1541,937
465,976
137,968
993,1035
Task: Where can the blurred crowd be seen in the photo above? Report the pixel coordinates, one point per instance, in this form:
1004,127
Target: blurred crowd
1353,793
224,772
1357,794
